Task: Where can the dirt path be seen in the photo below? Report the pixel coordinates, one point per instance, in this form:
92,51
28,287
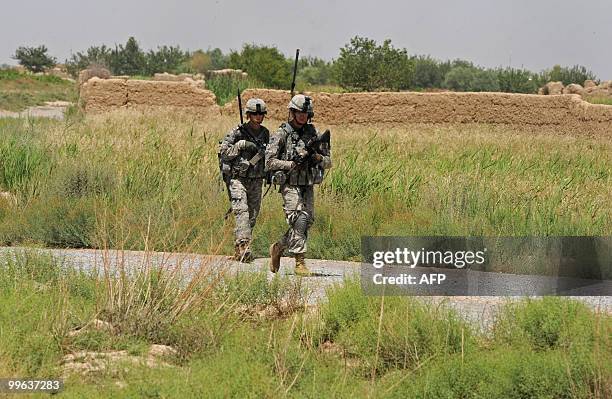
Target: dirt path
54,110
478,309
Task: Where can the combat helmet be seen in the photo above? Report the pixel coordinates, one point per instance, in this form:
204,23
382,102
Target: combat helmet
302,103
256,106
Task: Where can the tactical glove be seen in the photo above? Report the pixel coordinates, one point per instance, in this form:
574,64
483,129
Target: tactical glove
301,156
316,157
246,145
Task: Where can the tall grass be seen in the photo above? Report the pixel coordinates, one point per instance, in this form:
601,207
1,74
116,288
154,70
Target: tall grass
226,87
21,160
390,332
352,346
104,176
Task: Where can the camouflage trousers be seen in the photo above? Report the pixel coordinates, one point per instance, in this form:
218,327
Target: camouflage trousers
245,195
298,204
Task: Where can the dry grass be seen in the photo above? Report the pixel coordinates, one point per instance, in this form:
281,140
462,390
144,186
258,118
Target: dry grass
20,90
114,171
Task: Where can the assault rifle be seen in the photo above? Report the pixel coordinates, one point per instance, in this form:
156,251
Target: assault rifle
295,65
312,147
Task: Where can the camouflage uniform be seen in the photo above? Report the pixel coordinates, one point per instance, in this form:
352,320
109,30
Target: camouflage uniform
245,182
297,190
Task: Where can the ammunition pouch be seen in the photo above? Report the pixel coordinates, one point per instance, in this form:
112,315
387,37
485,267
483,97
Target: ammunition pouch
242,168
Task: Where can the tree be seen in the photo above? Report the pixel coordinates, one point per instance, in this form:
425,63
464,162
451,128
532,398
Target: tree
516,81
94,56
315,71
464,78
200,62
35,59
266,64
427,73
364,65
217,59
576,74
165,59
128,59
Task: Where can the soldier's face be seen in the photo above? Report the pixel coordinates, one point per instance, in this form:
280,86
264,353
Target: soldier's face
256,119
300,117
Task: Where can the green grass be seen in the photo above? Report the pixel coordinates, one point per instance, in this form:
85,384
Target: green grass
351,346
600,100
114,179
306,87
19,90
413,333
226,87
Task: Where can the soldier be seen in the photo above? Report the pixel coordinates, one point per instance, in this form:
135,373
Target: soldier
296,168
242,157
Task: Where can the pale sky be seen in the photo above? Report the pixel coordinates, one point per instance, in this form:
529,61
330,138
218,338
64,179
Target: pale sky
532,34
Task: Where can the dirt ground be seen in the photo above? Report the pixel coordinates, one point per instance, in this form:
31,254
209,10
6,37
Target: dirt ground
54,110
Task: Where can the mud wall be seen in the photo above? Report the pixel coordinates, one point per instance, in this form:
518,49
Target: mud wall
100,95
562,112
566,112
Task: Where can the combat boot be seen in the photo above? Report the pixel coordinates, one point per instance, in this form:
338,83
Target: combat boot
237,253
300,266
243,252
276,251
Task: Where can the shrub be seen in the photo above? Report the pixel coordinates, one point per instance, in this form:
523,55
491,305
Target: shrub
199,62
74,179
513,80
164,59
364,65
427,73
35,59
548,323
391,332
94,56
463,78
505,374
315,71
265,64
345,307
576,74
60,222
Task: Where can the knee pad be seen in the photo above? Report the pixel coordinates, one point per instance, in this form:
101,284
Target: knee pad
240,209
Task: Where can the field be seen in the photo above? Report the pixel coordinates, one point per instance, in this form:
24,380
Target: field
246,336
114,180
19,90
134,180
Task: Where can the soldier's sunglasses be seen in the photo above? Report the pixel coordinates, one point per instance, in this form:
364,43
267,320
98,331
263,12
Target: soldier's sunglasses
257,113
